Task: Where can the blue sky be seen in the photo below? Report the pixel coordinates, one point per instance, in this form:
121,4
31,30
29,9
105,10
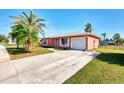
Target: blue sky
64,21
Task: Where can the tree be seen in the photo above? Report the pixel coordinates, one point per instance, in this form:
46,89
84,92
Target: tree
15,33
88,28
104,37
121,41
31,22
27,37
117,38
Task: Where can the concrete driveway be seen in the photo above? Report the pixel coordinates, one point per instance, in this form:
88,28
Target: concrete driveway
52,68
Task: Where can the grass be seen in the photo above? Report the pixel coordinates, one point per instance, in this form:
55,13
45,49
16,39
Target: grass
21,53
113,47
107,68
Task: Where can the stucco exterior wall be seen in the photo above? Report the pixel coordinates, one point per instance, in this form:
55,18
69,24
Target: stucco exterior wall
92,42
51,42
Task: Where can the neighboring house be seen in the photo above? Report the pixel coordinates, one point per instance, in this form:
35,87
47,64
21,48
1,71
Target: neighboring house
11,41
111,42
107,42
78,41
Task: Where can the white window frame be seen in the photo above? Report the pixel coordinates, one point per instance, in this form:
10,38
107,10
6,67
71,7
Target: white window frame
45,40
67,42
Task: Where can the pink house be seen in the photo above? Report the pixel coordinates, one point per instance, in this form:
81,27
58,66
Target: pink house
78,41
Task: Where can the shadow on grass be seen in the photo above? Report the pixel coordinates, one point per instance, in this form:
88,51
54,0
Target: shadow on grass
16,51
112,58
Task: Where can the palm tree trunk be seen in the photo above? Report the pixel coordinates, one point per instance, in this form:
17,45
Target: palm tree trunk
28,45
17,43
118,43
25,46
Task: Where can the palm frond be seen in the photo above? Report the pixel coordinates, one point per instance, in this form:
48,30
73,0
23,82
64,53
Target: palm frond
41,25
14,17
27,17
39,20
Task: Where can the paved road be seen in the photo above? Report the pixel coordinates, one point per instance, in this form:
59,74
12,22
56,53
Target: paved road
48,68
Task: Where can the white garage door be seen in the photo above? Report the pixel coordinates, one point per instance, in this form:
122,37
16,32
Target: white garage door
78,43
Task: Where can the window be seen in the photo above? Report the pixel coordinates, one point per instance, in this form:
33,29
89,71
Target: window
45,42
64,41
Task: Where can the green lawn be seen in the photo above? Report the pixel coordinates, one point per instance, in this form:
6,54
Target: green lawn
21,53
107,68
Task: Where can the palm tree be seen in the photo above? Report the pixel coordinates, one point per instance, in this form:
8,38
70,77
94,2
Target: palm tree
31,21
15,33
88,28
117,38
104,37
27,37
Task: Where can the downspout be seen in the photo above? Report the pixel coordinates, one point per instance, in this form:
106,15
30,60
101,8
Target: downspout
70,42
86,42
58,42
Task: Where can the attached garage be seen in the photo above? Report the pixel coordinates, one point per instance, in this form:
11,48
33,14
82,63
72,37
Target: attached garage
78,43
